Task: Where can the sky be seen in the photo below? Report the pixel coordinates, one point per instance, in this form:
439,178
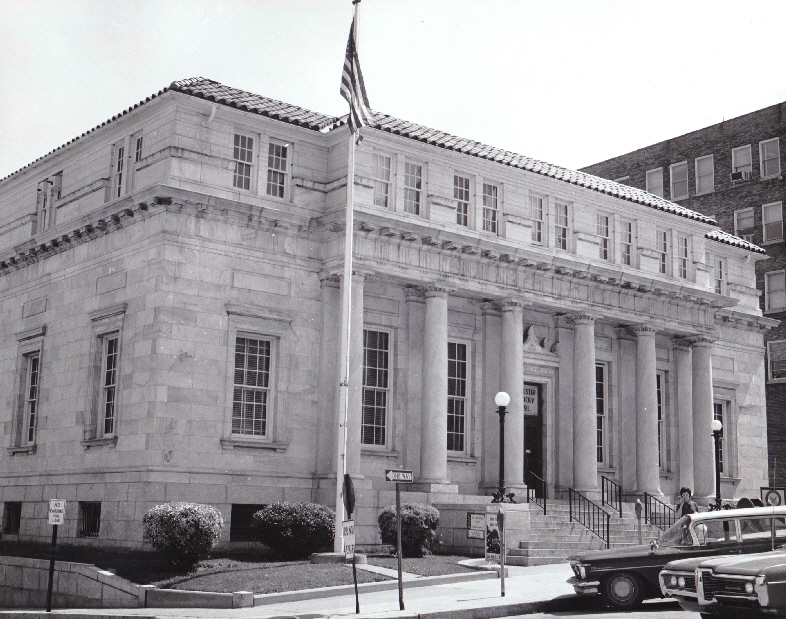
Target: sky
571,82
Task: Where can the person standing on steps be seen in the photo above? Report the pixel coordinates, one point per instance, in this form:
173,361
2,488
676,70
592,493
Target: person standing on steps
687,506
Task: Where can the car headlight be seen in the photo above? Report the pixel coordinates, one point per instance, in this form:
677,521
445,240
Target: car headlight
748,588
681,582
583,572
673,581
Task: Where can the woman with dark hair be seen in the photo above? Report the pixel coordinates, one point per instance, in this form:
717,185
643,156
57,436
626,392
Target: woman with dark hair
687,506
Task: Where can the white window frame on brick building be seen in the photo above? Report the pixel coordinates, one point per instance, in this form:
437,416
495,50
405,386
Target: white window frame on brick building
744,223
742,161
603,230
776,361
252,385
678,178
538,217
377,356
769,158
562,226
662,249
705,174
462,194
381,175
413,188
653,180
243,158
775,291
279,155
491,197
772,222
626,243
458,412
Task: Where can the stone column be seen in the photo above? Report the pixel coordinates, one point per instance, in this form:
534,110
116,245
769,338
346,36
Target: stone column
683,361
564,328
434,428
703,453
585,423
512,353
355,408
492,345
625,446
329,378
413,297
647,467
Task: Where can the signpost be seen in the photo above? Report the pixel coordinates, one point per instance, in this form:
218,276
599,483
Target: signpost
399,476
495,539
476,525
348,533
56,518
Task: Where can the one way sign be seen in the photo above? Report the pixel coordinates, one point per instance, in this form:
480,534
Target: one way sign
399,476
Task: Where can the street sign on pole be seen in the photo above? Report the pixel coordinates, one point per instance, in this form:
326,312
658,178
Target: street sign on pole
349,538
400,476
56,518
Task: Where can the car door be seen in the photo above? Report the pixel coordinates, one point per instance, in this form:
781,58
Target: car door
717,536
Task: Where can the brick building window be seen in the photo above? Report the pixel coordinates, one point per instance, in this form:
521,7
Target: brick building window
413,187
89,519
626,243
277,167
381,173
772,221
251,391
561,226
654,181
537,215
774,291
776,360
243,156
741,161
678,174
662,249
461,195
12,517
376,381
705,174
743,224
457,395
682,256
602,229
770,157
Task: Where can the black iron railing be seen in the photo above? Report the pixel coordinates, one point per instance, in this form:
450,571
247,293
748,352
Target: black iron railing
589,515
611,494
658,513
536,490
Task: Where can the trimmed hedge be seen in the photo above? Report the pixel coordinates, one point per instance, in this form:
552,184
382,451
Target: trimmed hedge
295,530
183,532
418,528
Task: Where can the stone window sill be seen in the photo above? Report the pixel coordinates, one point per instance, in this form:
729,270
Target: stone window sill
98,442
23,449
379,453
232,443
456,457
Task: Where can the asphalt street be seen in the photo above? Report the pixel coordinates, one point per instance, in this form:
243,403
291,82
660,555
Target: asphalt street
655,609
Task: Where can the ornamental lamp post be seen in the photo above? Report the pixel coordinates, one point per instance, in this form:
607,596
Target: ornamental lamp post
717,434
502,399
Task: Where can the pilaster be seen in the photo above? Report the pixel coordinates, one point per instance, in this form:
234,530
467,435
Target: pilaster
703,453
683,359
585,423
647,465
512,354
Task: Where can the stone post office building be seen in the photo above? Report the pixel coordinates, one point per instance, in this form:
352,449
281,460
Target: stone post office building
170,286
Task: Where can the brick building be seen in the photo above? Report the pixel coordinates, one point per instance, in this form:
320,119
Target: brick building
170,291
731,172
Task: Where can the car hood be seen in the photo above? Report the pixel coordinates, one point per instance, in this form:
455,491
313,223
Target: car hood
689,565
748,565
595,556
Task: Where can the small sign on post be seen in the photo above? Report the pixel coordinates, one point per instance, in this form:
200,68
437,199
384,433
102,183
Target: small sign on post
399,476
476,524
493,538
56,518
56,511
348,530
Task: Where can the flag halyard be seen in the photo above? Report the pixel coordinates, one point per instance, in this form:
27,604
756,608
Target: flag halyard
353,89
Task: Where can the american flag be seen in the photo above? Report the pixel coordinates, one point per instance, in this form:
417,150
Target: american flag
353,89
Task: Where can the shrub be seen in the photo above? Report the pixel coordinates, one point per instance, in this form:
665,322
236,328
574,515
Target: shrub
418,528
295,530
183,532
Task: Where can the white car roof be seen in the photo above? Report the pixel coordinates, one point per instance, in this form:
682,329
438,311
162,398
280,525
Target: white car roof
747,512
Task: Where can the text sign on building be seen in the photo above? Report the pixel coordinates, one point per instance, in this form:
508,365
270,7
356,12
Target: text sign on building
476,525
348,531
56,511
400,476
531,400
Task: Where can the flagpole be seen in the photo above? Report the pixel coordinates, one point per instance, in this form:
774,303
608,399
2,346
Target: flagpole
346,319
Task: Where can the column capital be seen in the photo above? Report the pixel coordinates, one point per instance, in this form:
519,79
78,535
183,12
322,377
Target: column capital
643,330
583,319
326,278
507,305
702,341
563,321
413,294
681,343
489,308
437,290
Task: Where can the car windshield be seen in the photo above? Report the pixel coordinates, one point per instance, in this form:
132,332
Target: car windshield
678,534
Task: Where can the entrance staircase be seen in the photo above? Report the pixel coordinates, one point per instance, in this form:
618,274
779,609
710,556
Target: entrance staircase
554,537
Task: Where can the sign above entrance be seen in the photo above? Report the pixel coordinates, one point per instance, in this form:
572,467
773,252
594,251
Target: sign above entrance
399,476
531,399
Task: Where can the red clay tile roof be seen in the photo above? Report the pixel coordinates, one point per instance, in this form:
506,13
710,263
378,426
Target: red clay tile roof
730,239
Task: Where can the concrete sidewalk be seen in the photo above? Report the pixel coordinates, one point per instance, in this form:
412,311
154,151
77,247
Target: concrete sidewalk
528,590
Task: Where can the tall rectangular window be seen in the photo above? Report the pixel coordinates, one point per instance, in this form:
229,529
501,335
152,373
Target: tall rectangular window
277,156
776,360
662,249
12,517
770,157
109,362
718,413
243,156
457,395
602,227
626,243
678,174
561,226
682,256
772,221
705,174
659,384
461,195
413,187
138,149
120,158
376,381
719,275
601,409
89,519
774,291
743,224
537,215
251,391
49,190
654,181
490,207
381,179
741,160
32,381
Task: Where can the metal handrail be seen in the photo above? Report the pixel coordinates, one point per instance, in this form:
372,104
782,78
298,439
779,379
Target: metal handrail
590,515
536,489
658,513
611,494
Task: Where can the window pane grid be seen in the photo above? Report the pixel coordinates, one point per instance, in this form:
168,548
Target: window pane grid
772,221
376,369
276,170
719,276
457,395
243,155
654,182
251,386
602,226
679,181
600,408
381,180
662,247
109,386
718,414
741,159
659,396
413,187
138,150
33,365
705,174
682,256
490,208
461,195
119,171
769,153
561,226
776,353
536,214
775,287
627,242
744,223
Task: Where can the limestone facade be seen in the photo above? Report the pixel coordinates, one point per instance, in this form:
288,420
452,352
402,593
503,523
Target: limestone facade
171,329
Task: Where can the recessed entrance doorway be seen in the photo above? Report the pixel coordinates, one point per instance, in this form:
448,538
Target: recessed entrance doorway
533,432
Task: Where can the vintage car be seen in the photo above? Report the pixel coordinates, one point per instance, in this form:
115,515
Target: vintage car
626,576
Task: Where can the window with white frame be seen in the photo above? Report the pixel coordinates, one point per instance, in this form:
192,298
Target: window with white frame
744,224
626,243
538,218
277,169
776,360
660,385
662,249
719,276
770,157
601,409
138,143
376,386
413,187
457,396
462,197
28,390
741,160
32,365
561,226
105,375
774,291
251,388
490,207
682,256
772,221
381,174
49,191
110,355
705,174
678,174
719,410
118,172
654,181
602,230
243,157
